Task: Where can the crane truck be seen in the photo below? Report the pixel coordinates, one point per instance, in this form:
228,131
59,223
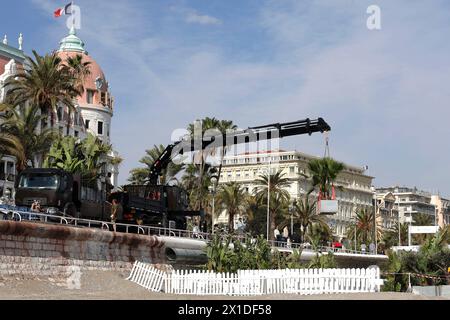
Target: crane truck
64,193
153,202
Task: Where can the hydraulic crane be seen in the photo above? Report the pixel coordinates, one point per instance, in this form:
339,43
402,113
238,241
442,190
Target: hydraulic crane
254,134
170,202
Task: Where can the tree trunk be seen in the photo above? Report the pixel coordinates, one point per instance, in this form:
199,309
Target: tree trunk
273,225
230,221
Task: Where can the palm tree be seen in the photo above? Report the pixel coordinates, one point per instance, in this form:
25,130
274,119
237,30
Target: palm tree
305,213
11,145
364,224
233,198
87,157
140,175
47,84
279,196
197,185
319,234
79,71
323,173
23,122
422,219
224,126
391,237
201,156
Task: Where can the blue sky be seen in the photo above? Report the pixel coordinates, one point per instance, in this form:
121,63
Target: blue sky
385,93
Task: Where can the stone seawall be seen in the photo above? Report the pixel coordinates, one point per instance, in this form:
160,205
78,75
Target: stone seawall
41,250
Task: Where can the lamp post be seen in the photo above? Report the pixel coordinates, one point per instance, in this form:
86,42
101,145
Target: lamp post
375,223
268,201
399,226
214,180
294,204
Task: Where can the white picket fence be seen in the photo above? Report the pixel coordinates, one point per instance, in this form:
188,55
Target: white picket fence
263,282
147,276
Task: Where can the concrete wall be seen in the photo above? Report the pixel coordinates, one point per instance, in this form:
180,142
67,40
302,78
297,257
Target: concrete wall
432,291
30,249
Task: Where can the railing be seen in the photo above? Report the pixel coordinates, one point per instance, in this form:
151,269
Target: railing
321,249
258,282
147,276
108,226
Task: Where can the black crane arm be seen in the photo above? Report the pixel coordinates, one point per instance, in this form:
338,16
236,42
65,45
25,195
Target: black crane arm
267,132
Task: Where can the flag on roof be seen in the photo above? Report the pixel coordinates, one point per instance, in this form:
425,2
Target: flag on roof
63,11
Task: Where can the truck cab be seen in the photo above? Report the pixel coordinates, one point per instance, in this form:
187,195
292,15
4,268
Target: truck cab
53,188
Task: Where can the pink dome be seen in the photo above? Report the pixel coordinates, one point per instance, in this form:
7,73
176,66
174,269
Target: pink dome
91,82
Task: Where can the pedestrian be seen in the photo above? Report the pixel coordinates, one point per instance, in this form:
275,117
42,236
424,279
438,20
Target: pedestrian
276,233
114,213
285,233
372,248
289,243
363,248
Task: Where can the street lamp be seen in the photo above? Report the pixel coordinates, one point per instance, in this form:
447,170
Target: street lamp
214,180
268,201
398,223
294,204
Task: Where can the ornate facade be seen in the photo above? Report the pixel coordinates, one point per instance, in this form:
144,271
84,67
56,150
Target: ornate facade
11,62
93,109
356,193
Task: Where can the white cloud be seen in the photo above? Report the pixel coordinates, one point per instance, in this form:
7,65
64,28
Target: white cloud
195,17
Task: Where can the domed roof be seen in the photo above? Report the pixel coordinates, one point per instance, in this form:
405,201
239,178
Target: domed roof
72,43
71,46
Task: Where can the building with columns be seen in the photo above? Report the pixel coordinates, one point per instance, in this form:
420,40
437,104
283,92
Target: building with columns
412,201
387,210
12,61
356,193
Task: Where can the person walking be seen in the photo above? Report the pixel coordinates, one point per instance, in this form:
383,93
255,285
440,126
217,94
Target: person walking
114,213
285,233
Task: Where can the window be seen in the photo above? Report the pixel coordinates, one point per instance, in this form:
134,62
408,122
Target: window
87,123
100,128
90,96
103,97
107,130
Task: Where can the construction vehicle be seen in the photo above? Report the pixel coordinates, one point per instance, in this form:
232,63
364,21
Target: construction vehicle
62,193
157,204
